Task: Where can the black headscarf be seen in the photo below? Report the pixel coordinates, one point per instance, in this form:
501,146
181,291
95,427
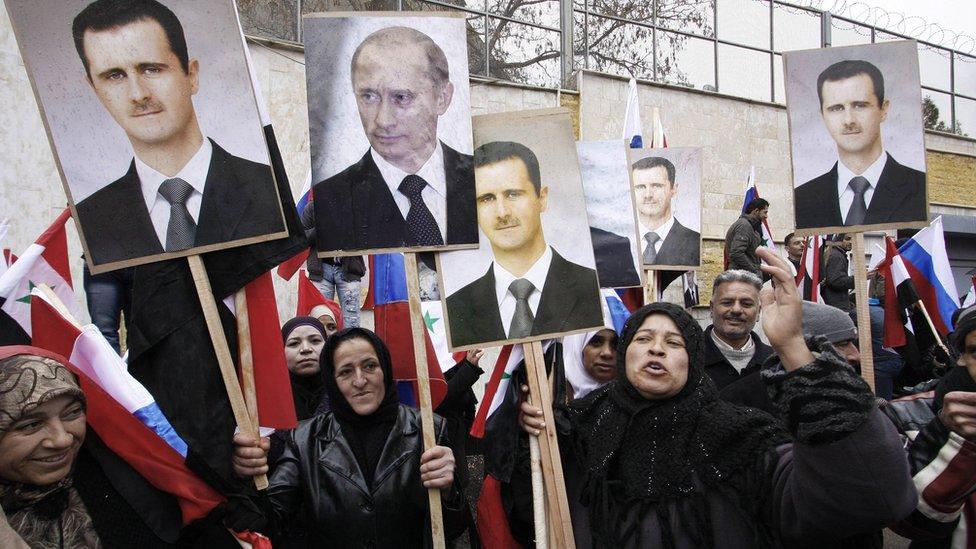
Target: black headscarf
646,454
307,390
366,434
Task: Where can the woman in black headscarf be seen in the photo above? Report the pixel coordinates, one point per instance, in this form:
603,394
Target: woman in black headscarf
304,337
661,461
359,471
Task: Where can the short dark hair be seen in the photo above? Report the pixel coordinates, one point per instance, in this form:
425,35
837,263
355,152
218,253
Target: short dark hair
439,71
757,204
655,162
850,68
786,241
111,14
499,151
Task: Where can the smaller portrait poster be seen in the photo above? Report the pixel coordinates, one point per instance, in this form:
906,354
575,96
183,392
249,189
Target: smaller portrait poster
390,132
857,138
610,212
151,113
667,195
533,276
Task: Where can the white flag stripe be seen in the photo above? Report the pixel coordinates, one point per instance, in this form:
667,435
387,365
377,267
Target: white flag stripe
93,355
18,271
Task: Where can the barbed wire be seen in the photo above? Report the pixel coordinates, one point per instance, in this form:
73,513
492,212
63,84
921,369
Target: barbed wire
912,26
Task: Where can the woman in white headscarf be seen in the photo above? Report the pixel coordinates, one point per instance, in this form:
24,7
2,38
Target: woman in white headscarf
590,358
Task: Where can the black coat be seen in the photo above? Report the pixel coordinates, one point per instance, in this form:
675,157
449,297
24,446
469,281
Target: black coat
614,260
354,209
318,472
837,284
681,247
721,371
239,202
570,301
898,198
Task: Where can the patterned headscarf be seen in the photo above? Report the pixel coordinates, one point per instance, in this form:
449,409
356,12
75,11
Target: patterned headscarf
28,380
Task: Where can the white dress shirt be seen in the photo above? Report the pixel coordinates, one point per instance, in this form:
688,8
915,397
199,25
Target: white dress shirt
193,172
503,279
434,194
844,176
661,231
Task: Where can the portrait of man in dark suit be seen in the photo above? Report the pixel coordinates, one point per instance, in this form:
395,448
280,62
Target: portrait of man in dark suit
866,185
529,289
614,262
182,189
409,190
665,240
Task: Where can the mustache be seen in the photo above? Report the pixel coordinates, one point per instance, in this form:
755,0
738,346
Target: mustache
147,106
506,223
851,128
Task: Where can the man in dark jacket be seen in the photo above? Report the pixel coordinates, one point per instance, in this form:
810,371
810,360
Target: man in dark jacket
744,236
838,282
732,349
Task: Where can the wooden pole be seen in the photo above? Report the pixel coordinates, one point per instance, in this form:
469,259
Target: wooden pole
935,333
538,496
650,290
552,466
423,387
247,371
222,350
863,311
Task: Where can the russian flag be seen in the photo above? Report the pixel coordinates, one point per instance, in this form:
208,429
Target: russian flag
632,121
928,264
619,312
391,314
752,193
120,410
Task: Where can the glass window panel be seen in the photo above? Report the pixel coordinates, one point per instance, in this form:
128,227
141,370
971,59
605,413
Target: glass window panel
694,16
685,60
745,22
539,12
845,33
640,11
476,44
965,67
936,111
780,88
933,65
795,28
579,40
316,6
743,72
524,54
270,18
620,48
965,117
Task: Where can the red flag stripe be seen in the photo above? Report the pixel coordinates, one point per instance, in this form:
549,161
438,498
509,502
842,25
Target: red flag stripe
273,386
478,427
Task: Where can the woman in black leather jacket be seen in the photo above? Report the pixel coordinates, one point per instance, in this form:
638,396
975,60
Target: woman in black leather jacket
359,473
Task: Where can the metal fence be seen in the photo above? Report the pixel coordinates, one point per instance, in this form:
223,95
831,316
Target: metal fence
732,47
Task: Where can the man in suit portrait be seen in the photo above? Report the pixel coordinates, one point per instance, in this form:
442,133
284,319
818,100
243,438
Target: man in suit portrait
529,289
182,189
665,240
866,185
409,189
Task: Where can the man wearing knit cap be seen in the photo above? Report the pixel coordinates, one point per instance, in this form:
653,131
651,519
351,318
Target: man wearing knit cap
818,320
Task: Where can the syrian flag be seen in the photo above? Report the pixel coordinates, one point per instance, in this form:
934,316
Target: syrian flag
632,120
970,299
900,293
928,264
437,332
288,269
808,278
43,262
309,297
120,409
391,314
271,382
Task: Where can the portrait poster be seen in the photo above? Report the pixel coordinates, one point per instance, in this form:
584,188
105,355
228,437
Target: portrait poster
667,196
610,212
152,117
857,138
390,132
533,276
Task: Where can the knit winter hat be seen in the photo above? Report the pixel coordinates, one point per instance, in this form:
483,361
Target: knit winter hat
829,322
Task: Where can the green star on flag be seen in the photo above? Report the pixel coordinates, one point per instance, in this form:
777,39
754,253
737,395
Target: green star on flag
30,288
429,321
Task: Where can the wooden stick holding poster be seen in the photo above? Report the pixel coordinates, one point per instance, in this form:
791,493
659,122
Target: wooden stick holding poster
423,388
863,311
247,371
557,501
222,350
538,495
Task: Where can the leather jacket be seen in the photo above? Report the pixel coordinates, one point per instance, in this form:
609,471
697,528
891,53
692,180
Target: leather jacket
318,475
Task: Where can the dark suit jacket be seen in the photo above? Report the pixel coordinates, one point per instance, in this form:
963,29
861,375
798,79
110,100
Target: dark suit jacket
569,302
614,260
899,197
239,201
681,247
355,210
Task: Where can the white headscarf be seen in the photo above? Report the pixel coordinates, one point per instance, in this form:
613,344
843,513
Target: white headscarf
573,346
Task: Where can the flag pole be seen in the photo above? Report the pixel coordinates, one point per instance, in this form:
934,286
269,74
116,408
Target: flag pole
423,388
227,371
247,370
863,311
557,501
538,496
928,319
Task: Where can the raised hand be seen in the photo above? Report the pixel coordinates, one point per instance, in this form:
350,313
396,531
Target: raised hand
782,313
